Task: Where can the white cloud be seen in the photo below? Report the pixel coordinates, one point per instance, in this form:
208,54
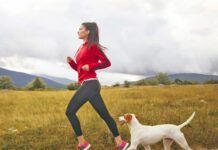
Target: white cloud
143,37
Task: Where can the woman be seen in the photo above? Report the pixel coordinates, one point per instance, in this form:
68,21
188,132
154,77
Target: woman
87,61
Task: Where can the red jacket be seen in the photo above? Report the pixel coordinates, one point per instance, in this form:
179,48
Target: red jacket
90,57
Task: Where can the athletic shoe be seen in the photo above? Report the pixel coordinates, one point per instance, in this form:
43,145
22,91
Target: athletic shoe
122,146
84,146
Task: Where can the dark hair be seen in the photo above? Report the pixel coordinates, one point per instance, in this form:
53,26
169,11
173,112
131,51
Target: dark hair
93,37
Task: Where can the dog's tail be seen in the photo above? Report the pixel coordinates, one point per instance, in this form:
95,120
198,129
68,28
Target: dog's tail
187,121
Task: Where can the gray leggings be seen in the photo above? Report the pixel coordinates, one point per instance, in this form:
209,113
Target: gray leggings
89,91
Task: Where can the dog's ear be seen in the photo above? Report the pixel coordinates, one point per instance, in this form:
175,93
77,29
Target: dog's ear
128,117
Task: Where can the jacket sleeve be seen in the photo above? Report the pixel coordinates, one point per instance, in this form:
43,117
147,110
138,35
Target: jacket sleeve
73,65
104,61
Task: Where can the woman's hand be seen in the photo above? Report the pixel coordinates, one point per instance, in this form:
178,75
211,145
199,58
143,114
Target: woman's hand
69,59
85,67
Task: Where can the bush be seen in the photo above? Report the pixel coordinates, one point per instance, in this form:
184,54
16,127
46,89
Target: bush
163,78
36,83
187,82
116,84
6,82
178,81
73,86
152,82
140,82
211,81
126,83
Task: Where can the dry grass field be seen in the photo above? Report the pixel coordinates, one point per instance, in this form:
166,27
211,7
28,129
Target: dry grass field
37,120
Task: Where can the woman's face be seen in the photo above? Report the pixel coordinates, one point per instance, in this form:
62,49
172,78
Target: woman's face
83,32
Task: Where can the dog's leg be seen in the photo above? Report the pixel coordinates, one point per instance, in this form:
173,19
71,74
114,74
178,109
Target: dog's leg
180,139
167,142
147,147
133,146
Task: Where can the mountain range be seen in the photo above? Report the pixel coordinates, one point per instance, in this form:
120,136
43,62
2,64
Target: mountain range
21,79
200,78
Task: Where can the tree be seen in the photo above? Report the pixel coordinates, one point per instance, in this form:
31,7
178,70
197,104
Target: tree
178,81
116,84
36,83
73,86
142,82
153,81
126,83
212,81
6,82
187,82
163,78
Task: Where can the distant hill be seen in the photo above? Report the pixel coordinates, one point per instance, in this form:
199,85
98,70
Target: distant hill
21,79
193,77
200,78
58,79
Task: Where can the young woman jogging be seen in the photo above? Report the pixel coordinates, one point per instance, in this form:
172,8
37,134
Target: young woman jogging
86,62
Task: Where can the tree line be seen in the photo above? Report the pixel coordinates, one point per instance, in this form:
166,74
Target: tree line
7,83
38,84
162,79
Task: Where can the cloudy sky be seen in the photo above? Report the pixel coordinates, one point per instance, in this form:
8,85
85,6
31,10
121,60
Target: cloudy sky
143,36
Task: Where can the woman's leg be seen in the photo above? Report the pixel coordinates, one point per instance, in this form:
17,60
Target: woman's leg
78,99
100,107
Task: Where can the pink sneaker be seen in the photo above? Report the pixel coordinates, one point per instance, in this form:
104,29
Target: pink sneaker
122,146
84,146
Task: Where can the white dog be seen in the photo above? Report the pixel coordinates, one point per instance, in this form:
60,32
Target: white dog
148,135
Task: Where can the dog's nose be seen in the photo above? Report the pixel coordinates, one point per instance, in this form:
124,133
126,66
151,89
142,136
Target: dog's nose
121,118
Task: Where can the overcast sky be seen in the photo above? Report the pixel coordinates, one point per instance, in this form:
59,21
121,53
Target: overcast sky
143,36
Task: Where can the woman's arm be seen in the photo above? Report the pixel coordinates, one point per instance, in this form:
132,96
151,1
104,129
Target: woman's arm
105,62
72,63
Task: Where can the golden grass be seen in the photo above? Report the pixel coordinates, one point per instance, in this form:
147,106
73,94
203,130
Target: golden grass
37,120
